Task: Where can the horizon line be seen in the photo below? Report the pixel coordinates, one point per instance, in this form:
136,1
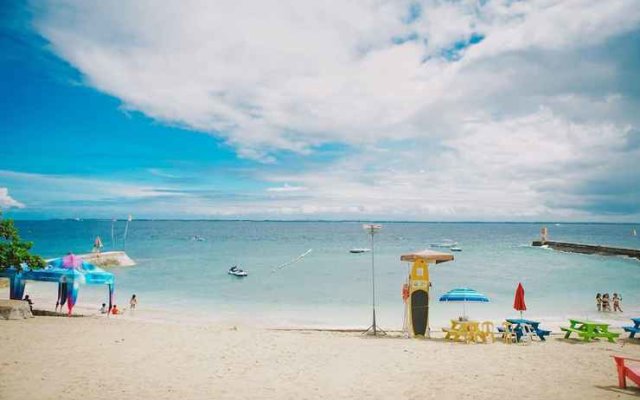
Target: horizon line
327,221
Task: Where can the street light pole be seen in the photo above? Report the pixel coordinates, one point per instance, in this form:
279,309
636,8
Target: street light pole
374,330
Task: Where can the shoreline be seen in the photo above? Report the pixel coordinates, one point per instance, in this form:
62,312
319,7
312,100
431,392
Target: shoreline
295,317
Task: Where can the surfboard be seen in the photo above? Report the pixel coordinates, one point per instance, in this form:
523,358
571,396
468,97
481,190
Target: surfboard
419,311
419,297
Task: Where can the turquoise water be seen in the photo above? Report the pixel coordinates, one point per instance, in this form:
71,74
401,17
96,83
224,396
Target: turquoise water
330,286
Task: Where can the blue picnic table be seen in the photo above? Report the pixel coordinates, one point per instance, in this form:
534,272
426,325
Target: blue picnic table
633,329
518,327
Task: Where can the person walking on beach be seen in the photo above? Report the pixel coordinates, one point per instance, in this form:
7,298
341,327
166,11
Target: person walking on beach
606,305
599,301
133,302
616,302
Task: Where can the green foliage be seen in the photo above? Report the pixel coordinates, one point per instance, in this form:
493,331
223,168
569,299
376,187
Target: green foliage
13,250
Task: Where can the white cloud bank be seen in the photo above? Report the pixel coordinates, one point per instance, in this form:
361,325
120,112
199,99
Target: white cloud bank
530,121
7,201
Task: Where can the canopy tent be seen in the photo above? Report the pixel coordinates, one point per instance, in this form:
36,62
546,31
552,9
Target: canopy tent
428,256
69,272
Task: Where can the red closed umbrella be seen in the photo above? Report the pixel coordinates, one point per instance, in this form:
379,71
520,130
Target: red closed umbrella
518,301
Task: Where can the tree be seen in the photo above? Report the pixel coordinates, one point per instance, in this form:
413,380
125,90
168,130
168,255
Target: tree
13,250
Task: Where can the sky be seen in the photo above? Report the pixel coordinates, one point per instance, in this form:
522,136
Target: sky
304,109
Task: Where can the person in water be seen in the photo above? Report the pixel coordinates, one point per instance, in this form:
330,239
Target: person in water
606,305
103,309
133,302
115,310
616,302
599,301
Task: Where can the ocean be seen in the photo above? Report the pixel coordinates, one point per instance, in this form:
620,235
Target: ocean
177,277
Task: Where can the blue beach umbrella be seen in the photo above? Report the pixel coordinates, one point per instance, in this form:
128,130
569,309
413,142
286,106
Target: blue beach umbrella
464,295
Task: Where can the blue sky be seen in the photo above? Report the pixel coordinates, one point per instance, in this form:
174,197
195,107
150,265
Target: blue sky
384,110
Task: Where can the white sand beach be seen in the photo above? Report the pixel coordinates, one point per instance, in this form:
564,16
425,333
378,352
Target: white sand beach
115,358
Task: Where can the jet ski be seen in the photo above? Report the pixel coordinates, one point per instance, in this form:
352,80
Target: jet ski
235,271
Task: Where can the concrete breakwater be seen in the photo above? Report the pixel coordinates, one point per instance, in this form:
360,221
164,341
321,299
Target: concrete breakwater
588,248
108,259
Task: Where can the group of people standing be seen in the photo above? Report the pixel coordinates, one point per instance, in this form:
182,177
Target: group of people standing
603,302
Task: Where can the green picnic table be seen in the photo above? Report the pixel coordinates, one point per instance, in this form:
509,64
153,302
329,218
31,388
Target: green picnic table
590,330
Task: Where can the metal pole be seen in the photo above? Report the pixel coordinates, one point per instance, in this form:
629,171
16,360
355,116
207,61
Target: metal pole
113,242
373,329
373,284
124,240
126,231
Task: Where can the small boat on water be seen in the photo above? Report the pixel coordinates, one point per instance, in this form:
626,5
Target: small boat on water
447,244
455,248
359,250
235,271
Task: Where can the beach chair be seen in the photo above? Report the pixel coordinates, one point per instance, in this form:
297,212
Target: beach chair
486,331
472,333
509,334
625,371
528,334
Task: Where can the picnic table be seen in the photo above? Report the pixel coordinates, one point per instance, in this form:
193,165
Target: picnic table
590,330
633,329
462,330
518,322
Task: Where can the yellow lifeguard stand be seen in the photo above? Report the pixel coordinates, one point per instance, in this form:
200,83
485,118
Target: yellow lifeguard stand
416,290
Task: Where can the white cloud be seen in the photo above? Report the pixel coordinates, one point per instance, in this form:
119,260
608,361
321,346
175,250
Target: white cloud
536,110
523,168
7,201
56,193
291,74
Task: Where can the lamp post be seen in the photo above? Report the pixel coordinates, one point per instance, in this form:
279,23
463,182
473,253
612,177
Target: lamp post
374,330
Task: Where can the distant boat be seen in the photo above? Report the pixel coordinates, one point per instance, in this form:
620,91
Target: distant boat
359,250
447,243
455,248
